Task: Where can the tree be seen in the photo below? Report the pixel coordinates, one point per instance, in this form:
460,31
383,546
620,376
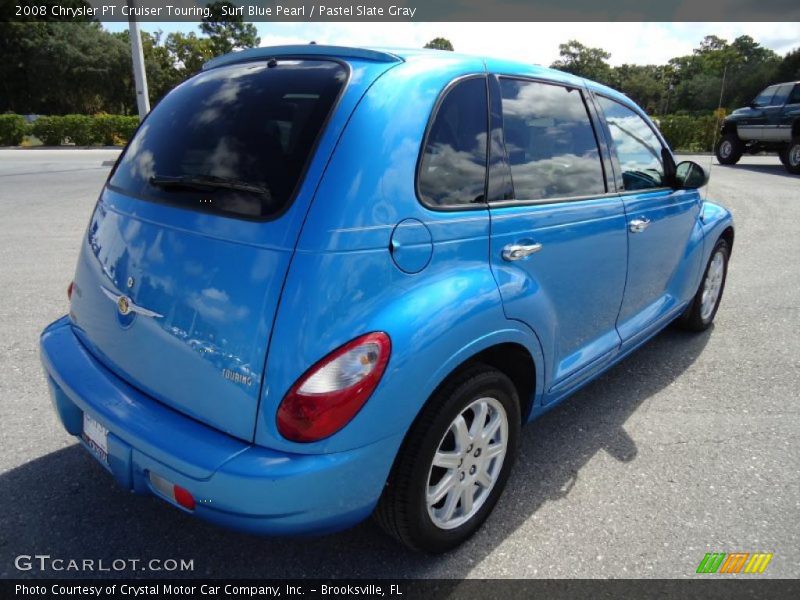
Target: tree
189,52
789,68
58,68
584,61
228,32
746,66
644,84
440,43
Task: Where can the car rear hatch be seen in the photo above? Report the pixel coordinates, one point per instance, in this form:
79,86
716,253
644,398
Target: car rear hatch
184,260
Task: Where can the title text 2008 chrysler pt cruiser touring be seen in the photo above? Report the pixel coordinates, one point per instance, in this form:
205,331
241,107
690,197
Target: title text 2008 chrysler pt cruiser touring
324,282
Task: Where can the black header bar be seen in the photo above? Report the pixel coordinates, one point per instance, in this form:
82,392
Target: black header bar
410,10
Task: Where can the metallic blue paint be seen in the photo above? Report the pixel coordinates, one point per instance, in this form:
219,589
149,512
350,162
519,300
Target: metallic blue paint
569,293
235,483
355,252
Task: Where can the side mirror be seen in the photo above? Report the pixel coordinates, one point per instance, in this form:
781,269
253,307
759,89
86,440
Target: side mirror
690,176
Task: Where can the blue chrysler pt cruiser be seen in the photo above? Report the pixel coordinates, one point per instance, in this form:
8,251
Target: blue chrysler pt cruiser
322,283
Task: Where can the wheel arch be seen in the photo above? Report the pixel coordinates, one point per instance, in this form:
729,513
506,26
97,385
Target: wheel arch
513,360
729,127
796,127
728,235
717,223
514,352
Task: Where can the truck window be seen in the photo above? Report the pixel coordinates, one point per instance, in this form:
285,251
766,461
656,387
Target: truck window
794,97
782,94
765,97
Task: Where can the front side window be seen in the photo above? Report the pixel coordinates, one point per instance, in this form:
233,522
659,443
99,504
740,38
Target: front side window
765,97
781,95
453,166
550,141
637,146
232,140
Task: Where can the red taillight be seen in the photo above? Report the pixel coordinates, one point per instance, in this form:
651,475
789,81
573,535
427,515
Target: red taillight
331,392
183,497
172,491
70,289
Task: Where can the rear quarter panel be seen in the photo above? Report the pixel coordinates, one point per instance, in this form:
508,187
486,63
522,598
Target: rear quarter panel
343,282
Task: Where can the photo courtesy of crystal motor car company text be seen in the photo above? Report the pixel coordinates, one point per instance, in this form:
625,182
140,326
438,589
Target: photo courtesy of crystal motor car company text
276,331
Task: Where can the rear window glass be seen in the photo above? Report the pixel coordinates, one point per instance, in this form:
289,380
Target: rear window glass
232,140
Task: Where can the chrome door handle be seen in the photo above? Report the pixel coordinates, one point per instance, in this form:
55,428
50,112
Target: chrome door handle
639,225
518,251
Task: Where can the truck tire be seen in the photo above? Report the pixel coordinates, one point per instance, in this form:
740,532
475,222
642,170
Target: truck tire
729,149
783,154
792,154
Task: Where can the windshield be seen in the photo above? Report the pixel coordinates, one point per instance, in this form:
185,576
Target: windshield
233,140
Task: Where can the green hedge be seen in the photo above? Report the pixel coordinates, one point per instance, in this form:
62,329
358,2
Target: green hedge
690,134
50,130
114,130
684,133
81,130
12,129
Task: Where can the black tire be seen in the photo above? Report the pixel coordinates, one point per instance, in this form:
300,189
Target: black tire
729,149
792,152
402,510
783,154
693,318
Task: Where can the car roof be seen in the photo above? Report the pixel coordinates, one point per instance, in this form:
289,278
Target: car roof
393,54
510,67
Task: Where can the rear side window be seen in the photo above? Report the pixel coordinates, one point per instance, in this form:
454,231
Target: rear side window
452,168
550,141
637,146
794,97
233,140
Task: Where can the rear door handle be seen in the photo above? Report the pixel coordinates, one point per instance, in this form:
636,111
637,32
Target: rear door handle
518,251
639,225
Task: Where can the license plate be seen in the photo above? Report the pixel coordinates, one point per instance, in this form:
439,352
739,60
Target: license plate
96,437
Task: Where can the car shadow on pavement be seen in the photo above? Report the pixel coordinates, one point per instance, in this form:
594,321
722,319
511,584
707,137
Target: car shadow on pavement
776,169
66,506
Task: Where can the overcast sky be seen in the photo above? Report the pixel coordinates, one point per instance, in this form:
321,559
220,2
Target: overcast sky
636,43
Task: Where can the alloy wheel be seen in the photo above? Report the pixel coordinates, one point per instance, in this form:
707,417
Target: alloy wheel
712,285
467,463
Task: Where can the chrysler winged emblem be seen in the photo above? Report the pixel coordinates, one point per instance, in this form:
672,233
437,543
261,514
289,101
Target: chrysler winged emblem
126,306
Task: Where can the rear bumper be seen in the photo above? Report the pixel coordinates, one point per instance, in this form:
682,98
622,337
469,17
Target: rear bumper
235,484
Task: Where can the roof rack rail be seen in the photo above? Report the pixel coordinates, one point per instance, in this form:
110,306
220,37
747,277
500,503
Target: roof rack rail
300,50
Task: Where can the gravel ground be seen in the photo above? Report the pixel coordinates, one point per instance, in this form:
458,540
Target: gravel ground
688,446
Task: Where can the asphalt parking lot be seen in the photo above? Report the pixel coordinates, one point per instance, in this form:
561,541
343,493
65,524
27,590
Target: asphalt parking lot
691,445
